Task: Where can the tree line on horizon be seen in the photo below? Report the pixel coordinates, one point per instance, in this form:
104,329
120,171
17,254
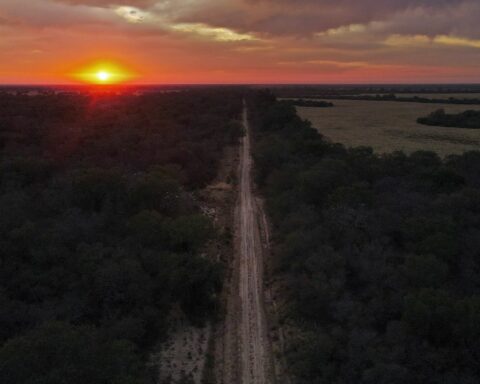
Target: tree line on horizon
310,103
401,99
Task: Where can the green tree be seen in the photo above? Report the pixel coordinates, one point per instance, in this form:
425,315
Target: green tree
58,353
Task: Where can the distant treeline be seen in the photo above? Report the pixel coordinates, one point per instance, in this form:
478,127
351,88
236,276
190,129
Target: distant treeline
393,97
376,256
310,103
467,119
101,234
319,91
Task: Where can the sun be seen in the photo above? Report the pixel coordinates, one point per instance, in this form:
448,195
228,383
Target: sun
104,73
103,76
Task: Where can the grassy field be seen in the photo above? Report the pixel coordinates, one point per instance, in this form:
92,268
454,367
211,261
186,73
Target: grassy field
429,95
388,126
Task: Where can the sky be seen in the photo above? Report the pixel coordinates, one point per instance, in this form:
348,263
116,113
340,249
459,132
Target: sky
241,41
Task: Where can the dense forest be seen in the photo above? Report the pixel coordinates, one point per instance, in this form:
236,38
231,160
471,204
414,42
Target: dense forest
467,119
377,256
100,229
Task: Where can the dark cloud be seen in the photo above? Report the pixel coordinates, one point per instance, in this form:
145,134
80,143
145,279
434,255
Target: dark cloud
42,14
299,18
107,3
306,17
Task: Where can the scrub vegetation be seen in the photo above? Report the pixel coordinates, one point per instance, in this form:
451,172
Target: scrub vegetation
467,119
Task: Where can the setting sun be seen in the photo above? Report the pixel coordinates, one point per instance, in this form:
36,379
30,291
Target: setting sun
104,73
103,76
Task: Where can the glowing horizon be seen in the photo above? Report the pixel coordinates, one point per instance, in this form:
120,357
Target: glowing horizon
103,73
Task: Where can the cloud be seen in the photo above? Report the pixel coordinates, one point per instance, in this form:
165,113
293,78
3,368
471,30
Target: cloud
108,3
132,14
407,40
214,33
270,18
44,14
294,37
423,41
457,41
305,18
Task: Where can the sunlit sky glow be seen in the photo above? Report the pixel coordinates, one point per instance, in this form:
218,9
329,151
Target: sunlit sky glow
240,41
103,73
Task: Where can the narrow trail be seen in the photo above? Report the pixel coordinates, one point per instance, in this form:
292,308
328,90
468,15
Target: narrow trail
253,339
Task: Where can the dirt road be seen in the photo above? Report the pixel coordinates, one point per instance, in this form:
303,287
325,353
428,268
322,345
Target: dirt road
255,359
245,351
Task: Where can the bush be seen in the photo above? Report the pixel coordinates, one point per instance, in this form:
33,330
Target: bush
467,119
58,353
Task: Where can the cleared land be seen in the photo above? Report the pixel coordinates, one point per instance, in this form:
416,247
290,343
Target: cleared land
389,126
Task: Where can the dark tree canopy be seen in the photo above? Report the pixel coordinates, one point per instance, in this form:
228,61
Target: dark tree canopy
467,119
310,103
100,230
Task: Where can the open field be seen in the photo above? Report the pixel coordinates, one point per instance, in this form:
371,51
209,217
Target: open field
434,95
388,126
431,95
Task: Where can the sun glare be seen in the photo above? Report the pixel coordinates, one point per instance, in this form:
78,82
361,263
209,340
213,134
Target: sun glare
104,73
103,76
